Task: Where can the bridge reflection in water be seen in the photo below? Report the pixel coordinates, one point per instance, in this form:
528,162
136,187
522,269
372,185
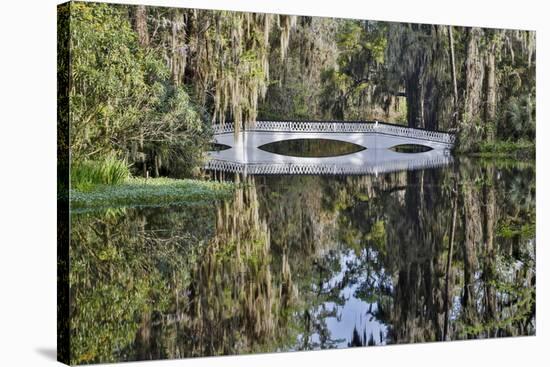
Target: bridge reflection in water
379,139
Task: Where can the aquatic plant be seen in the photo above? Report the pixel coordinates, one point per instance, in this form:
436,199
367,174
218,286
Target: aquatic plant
149,192
85,175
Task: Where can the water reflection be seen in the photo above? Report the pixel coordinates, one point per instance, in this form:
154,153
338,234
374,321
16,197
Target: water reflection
411,148
310,262
316,148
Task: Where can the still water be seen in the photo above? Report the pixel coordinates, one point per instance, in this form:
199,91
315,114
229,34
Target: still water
310,262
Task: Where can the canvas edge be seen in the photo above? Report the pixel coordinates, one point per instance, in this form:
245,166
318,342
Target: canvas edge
63,164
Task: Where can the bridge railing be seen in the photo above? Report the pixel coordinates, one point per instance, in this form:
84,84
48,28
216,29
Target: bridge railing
227,127
340,127
326,169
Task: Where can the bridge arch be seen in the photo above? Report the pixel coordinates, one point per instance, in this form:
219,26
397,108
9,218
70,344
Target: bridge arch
312,147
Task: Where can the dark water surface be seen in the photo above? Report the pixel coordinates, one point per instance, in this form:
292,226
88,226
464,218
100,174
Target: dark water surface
313,148
310,262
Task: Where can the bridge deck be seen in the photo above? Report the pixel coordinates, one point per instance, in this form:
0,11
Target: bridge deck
342,127
245,157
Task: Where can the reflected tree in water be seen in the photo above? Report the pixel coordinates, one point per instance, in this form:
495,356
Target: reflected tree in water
440,254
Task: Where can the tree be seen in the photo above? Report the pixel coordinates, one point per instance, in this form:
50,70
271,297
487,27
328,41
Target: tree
121,99
349,87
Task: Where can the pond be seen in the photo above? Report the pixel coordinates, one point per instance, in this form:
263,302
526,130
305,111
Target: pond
302,262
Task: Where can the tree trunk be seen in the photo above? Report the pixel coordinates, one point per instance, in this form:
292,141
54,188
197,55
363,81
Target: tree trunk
157,165
490,105
530,47
453,76
449,261
489,271
414,106
141,25
143,156
474,77
430,105
472,237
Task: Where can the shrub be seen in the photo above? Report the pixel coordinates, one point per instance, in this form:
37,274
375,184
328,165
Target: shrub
518,118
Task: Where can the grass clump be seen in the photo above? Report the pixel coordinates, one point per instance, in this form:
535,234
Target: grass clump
88,174
151,192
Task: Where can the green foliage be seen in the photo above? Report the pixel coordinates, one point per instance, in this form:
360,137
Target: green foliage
290,101
150,192
122,271
505,148
176,136
122,100
85,175
513,115
401,117
377,236
348,87
361,40
295,81
518,120
109,88
523,300
517,293
515,229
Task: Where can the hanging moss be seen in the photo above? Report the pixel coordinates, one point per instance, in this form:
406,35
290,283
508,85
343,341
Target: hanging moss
222,56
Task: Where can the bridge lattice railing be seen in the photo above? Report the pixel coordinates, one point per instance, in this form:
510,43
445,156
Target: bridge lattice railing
340,127
324,169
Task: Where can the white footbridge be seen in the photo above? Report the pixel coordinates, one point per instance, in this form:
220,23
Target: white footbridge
244,156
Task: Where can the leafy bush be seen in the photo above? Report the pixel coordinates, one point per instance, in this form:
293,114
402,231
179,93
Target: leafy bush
109,171
518,118
175,137
109,81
